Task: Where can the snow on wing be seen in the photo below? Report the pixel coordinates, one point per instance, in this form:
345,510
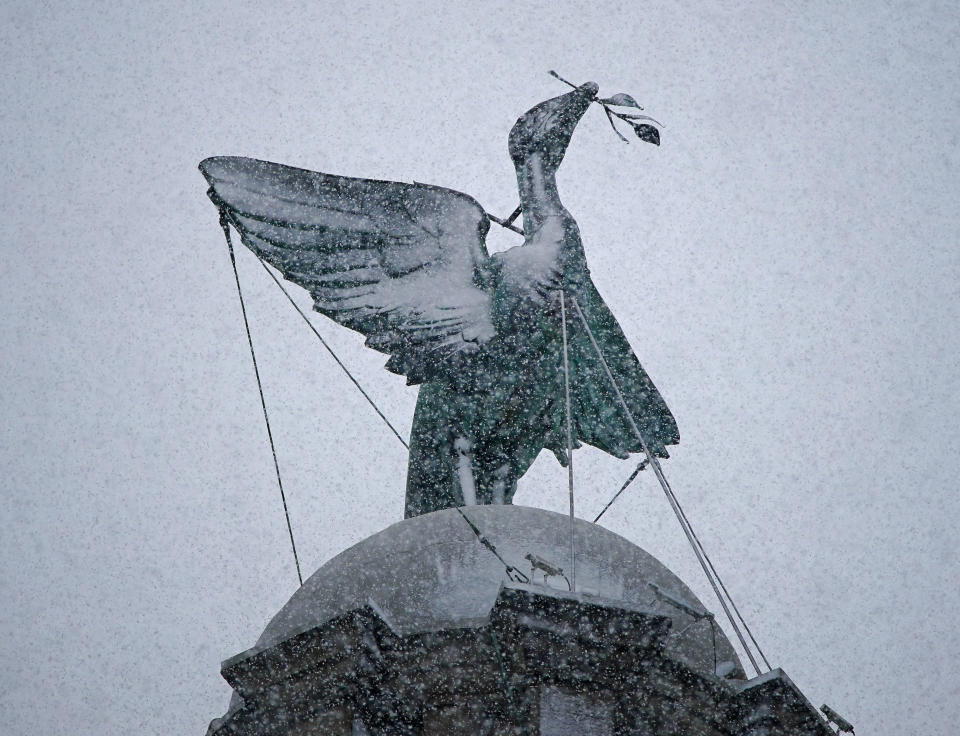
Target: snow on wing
395,262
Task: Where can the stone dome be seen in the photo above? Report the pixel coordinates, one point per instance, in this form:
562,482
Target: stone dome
430,573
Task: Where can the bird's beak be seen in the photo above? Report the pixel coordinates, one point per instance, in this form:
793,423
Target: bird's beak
547,128
570,108
575,103
589,89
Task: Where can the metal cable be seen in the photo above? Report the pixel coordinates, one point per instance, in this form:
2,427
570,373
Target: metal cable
513,573
634,474
510,569
709,571
566,390
724,588
333,354
276,466
692,537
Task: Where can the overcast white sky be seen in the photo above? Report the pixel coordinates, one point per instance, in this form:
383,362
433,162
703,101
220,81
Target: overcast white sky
786,266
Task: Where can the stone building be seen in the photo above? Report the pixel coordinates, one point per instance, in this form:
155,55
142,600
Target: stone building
422,629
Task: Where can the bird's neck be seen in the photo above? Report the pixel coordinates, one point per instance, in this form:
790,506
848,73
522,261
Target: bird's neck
538,193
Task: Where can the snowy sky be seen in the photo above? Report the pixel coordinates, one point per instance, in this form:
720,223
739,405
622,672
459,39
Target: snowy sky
785,265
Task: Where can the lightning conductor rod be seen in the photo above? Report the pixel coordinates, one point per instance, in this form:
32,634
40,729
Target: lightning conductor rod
566,390
668,491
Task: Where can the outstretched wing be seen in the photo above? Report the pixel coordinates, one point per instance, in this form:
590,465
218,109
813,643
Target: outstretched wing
396,262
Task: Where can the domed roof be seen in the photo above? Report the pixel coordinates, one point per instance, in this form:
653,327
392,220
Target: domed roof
430,573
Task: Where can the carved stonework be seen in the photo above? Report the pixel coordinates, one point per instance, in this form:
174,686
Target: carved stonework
544,664
417,630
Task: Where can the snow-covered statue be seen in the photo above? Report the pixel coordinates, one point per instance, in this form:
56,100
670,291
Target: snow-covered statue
407,266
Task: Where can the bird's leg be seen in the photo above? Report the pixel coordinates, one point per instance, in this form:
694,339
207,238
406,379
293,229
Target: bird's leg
468,487
500,477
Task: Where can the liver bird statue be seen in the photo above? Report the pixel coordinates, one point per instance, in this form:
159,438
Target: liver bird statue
406,265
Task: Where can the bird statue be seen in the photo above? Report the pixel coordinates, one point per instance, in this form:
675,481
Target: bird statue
406,265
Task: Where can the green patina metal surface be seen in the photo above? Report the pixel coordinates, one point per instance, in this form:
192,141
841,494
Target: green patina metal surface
407,266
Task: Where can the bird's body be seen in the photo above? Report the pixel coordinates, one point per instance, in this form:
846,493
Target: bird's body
407,266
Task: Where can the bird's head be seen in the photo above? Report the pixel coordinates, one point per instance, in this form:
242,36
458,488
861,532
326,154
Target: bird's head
545,130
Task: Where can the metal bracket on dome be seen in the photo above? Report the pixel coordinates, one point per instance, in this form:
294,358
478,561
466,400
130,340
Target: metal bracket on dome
514,574
548,569
678,604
